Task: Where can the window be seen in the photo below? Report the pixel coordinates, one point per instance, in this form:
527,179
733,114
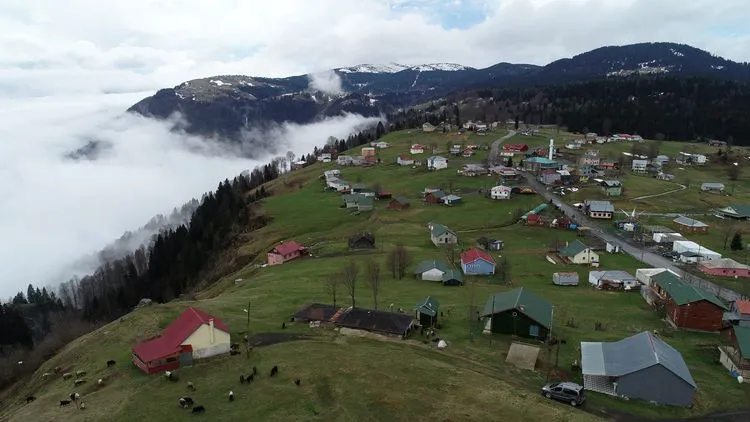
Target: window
534,330
170,360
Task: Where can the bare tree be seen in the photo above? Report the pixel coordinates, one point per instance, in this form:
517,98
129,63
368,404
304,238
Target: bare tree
332,285
373,280
290,157
734,171
403,260
391,262
653,148
349,279
451,253
727,231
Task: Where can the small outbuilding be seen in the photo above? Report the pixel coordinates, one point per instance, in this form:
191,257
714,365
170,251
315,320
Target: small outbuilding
638,367
399,203
427,312
375,321
691,225
361,241
518,312
565,279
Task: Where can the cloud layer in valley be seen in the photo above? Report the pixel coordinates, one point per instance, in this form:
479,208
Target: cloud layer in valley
55,211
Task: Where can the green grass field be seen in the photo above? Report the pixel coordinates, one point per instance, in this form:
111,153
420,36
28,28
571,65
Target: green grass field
348,377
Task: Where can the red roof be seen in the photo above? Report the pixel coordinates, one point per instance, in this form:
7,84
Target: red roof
285,248
516,147
743,306
417,146
473,254
172,337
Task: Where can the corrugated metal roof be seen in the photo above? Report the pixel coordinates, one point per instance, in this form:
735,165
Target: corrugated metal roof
523,300
632,354
690,222
683,293
742,334
601,206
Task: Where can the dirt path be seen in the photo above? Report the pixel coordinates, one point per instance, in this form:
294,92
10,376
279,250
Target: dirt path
681,188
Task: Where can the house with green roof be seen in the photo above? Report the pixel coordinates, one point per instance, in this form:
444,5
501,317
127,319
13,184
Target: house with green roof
359,201
738,211
518,312
578,253
688,306
439,270
441,235
427,311
734,354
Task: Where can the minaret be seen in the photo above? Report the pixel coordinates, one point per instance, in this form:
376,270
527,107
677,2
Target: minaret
551,149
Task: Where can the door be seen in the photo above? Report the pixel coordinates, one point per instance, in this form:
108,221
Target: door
534,330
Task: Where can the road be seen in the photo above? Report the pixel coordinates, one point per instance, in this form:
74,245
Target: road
494,149
628,246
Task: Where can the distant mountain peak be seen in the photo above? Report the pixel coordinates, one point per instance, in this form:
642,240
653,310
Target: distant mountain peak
396,67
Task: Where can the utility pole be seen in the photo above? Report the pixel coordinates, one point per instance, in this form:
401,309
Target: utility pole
247,332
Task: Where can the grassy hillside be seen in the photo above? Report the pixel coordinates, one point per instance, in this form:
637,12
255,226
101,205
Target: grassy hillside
346,377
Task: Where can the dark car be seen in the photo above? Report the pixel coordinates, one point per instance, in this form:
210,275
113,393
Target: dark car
568,392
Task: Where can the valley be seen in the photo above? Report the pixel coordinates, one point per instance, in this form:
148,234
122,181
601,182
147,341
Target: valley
368,377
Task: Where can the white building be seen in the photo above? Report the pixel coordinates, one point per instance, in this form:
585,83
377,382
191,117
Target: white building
417,149
640,166
689,247
437,162
500,192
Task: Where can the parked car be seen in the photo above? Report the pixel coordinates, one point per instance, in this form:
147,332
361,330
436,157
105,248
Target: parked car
568,392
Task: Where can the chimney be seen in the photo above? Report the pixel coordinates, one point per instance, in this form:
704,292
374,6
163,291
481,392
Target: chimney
211,328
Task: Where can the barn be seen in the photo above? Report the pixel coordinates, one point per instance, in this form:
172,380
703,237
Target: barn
518,312
193,335
688,306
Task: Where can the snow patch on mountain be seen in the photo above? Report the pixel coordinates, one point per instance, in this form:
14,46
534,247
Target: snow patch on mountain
396,67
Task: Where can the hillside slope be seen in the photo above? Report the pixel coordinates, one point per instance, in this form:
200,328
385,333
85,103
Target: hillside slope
346,377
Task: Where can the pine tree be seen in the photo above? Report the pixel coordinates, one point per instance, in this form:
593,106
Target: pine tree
736,244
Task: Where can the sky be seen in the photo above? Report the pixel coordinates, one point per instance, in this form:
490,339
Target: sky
68,70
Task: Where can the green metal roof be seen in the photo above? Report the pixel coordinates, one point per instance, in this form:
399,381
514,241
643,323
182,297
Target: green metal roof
402,200
428,306
742,334
438,229
574,248
522,300
683,293
430,264
453,274
741,210
541,160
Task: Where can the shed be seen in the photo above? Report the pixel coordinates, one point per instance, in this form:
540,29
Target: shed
490,244
726,267
399,203
379,322
453,277
477,262
640,367
364,240
565,278
613,280
688,306
712,187
432,270
316,312
194,334
519,312
427,311
451,199
687,224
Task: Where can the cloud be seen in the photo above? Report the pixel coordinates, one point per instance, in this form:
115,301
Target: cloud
144,45
55,211
327,82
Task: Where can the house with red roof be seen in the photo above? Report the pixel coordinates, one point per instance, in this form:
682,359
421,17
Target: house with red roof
195,334
285,251
515,147
477,262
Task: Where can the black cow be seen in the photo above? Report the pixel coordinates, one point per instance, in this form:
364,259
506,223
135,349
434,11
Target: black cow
274,370
255,371
199,409
110,363
297,381
64,402
30,399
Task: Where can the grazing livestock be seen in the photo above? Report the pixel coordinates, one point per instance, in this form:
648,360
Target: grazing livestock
67,376
82,406
242,379
274,370
80,373
234,346
110,363
64,402
171,376
190,386
199,409
46,375
234,352
297,381
30,399
255,371
74,396
250,378
78,382
100,382
283,325
57,369
231,395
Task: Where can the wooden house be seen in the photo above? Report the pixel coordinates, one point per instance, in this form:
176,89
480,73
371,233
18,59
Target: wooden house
734,354
362,241
518,312
441,235
688,306
399,203
426,312
690,225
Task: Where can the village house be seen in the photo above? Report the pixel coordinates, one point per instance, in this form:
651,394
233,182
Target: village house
515,148
285,252
578,253
518,312
437,162
441,235
477,262
725,267
426,312
665,176
691,225
639,166
438,270
500,192
735,353
435,197
688,306
472,170
399,203
599,209
416,149
359,201
380,144
368,151
404,161
194,335
338,185
611,187
588,160
428,127
451,199
712,187
661,160
345,160
505,173
455,149
613,280
390,324
331,174
642,367
325,157
362,241
739,314
736,211
490,244
607,164
549,177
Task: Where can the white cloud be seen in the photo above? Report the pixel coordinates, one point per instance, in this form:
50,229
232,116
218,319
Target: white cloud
326,81
54,210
